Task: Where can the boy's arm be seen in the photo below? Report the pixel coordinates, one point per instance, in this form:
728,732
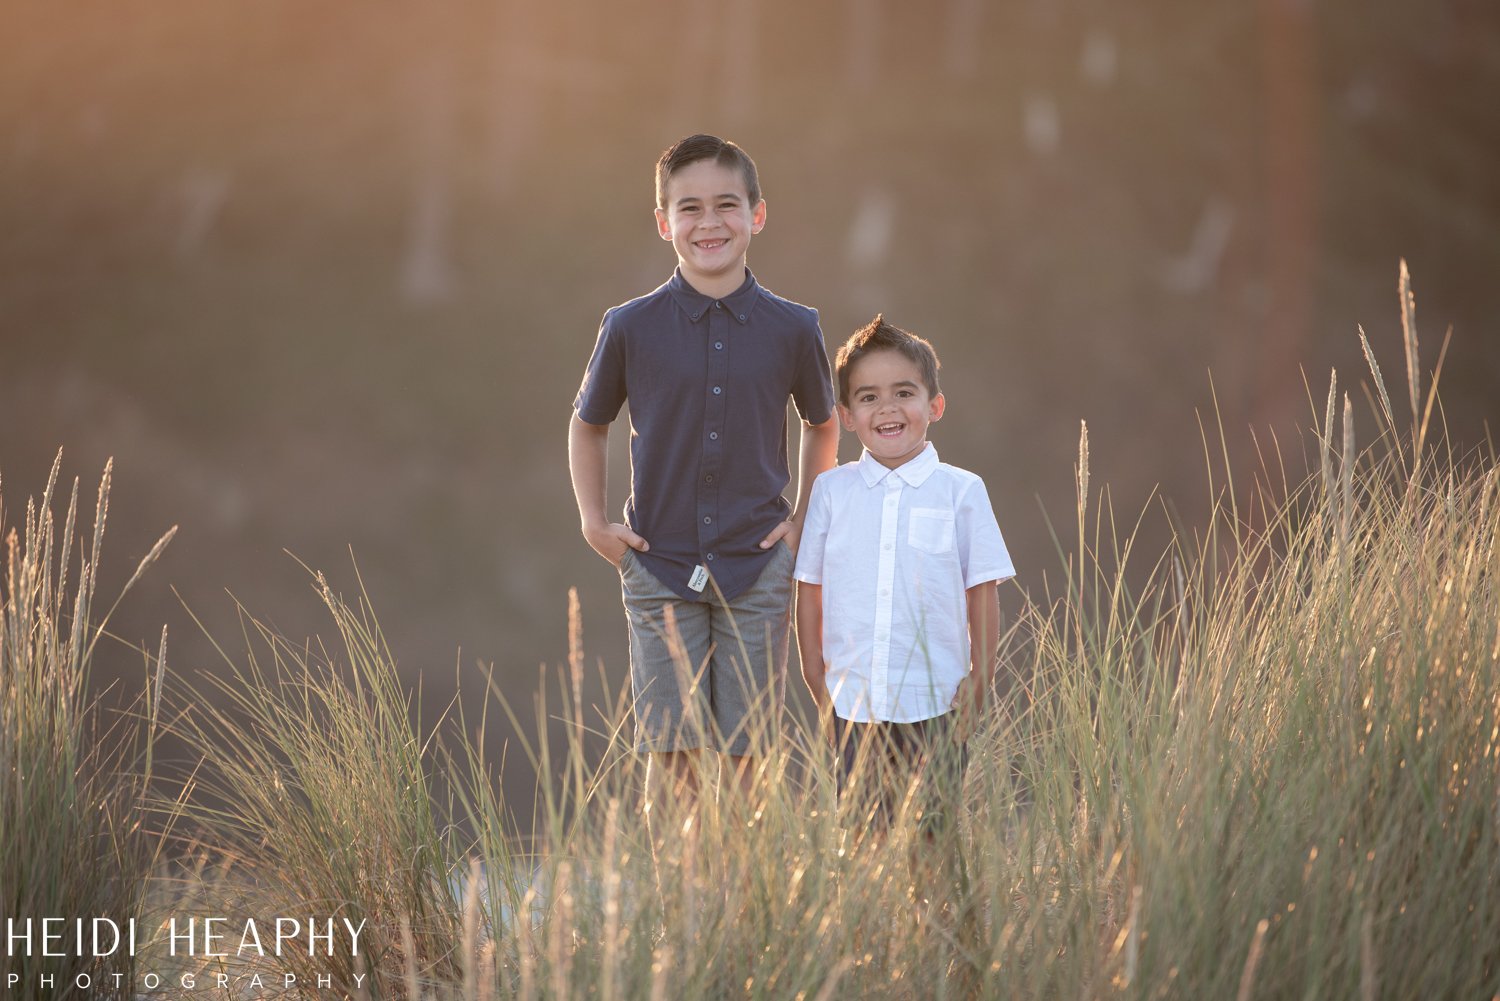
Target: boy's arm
984,637
588,456
816,453
810,647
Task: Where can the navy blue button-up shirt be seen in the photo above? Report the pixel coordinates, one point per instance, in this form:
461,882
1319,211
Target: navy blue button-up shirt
707,380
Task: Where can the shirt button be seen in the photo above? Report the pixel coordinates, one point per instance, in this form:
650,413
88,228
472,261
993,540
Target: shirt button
742,317
713,436
888,547
718,345
718,305
709,478
710,557
717,390
707,520
695,316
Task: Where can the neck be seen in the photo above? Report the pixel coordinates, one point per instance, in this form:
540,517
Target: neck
900,460
716,286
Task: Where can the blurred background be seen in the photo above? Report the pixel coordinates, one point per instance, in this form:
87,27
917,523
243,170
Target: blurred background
322,278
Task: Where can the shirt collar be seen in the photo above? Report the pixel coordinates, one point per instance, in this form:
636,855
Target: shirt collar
913,471
696,305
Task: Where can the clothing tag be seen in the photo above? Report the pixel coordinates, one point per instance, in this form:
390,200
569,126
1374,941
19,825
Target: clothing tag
699,578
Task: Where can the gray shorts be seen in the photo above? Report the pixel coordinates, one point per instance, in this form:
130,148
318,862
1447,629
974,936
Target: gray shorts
703,673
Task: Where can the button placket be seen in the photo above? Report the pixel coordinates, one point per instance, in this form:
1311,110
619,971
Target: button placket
716,374
885,578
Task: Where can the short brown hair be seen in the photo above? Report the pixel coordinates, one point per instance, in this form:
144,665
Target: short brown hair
705,147
878,335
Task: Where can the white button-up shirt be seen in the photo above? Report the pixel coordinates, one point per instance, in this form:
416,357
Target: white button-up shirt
895,550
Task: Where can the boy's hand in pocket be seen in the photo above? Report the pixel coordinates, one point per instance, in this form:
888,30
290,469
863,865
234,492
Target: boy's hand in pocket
786,531
611,541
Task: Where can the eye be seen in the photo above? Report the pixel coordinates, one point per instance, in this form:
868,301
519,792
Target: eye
867,398
905,393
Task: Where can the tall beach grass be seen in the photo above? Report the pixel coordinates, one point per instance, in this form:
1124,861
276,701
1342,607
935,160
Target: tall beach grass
1263,763
76,841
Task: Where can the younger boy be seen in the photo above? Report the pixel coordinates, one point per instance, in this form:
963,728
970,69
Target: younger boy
897,616
706,547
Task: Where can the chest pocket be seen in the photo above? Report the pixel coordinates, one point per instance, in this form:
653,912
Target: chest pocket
930,530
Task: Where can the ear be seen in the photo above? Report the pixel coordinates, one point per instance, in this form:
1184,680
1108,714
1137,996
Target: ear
663,224
846,418
758,217
935,408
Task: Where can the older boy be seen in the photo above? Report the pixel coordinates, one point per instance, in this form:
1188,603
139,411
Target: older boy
706,548
897,617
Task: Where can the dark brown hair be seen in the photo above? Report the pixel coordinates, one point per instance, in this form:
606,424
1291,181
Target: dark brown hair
877,335
705,147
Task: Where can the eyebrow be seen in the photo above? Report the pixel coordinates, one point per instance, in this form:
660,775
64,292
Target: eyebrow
895,385
731,197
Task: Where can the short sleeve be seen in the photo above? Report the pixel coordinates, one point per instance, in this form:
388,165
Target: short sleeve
981,548
812,389
814,540
602,393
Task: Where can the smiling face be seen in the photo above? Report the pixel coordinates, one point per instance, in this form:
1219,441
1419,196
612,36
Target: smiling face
889,406
709,219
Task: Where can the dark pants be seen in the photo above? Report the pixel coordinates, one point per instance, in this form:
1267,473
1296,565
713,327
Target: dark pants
884,768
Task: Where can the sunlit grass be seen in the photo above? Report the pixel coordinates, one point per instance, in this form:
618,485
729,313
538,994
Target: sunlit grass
1262,763
73,778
